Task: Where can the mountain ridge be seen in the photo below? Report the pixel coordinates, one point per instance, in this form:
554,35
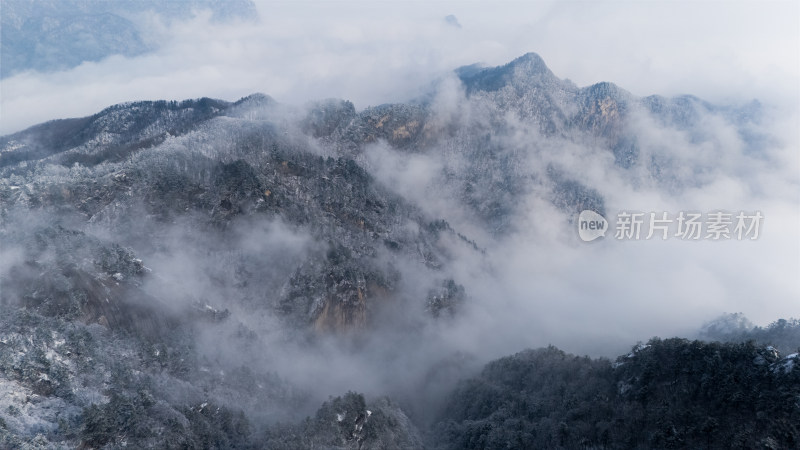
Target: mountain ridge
216,271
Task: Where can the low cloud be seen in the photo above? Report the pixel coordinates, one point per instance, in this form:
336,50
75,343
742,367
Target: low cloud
540,285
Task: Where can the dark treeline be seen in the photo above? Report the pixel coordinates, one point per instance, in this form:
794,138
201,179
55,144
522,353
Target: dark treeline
671,393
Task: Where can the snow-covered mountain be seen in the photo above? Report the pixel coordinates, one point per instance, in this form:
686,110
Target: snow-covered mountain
191,273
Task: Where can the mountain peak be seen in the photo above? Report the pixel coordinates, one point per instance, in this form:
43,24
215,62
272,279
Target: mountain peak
528,66
257,98
605,89
530,61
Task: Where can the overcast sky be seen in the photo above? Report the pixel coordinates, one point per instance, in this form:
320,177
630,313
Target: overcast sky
379,52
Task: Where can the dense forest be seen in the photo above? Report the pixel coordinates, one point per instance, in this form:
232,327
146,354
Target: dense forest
670,393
